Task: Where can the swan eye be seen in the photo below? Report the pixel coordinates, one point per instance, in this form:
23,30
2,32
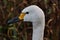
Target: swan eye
27,12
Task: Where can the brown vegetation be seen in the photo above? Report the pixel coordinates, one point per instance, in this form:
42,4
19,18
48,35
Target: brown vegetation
12,8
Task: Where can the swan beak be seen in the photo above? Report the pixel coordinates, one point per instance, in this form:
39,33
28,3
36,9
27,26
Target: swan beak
13,20
21,16
16,19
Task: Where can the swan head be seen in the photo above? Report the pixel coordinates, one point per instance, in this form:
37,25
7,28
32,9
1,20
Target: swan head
35,15
31,13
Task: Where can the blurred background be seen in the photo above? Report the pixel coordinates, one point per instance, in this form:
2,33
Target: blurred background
23,30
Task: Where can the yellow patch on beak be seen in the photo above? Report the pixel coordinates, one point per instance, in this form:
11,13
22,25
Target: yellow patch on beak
21,16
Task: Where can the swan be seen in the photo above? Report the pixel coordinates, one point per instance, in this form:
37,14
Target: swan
35,15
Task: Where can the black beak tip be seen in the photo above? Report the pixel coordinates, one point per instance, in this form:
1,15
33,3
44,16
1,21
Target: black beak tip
14,20
9,22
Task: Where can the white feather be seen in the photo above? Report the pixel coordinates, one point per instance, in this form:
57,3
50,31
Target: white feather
36,15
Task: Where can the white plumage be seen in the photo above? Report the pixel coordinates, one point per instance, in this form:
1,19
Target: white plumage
37,17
